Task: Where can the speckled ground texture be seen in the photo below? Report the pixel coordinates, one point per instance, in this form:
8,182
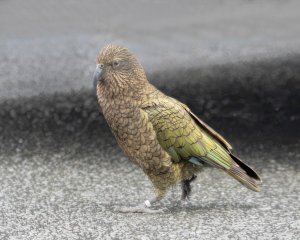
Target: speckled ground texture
61,172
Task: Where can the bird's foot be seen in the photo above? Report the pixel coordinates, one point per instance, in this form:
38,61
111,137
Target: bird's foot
138,209
143,208
186,188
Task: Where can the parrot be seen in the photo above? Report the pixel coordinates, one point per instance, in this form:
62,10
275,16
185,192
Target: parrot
158,133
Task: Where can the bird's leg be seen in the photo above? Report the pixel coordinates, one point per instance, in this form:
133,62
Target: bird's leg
186,187
142,208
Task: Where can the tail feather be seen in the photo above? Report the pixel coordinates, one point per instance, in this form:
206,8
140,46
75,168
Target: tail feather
244,174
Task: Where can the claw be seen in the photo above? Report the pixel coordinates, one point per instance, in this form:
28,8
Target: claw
138,209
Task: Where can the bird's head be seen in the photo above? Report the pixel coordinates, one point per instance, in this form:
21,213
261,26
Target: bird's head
117,68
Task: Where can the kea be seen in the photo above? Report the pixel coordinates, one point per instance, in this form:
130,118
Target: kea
157,132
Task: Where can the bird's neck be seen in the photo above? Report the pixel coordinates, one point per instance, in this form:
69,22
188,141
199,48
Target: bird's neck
114,95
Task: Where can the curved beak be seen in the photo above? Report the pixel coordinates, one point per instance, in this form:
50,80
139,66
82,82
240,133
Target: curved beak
98,75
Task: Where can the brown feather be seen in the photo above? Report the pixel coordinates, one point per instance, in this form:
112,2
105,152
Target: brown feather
245,174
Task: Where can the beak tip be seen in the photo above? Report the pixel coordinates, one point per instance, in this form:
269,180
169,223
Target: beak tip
97,77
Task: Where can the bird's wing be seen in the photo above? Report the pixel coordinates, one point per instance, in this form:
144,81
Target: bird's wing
183,138
207,128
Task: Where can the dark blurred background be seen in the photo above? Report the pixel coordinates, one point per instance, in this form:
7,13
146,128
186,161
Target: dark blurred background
235,63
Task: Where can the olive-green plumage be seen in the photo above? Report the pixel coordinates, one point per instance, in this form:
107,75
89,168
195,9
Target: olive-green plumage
180,136
157,132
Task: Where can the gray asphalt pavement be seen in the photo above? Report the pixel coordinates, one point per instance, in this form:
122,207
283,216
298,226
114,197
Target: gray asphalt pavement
48,47
236,64
70,192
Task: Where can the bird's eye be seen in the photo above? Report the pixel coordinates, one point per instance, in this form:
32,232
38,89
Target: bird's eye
115,63
101,66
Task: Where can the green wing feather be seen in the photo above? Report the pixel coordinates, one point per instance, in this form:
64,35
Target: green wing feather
182,138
